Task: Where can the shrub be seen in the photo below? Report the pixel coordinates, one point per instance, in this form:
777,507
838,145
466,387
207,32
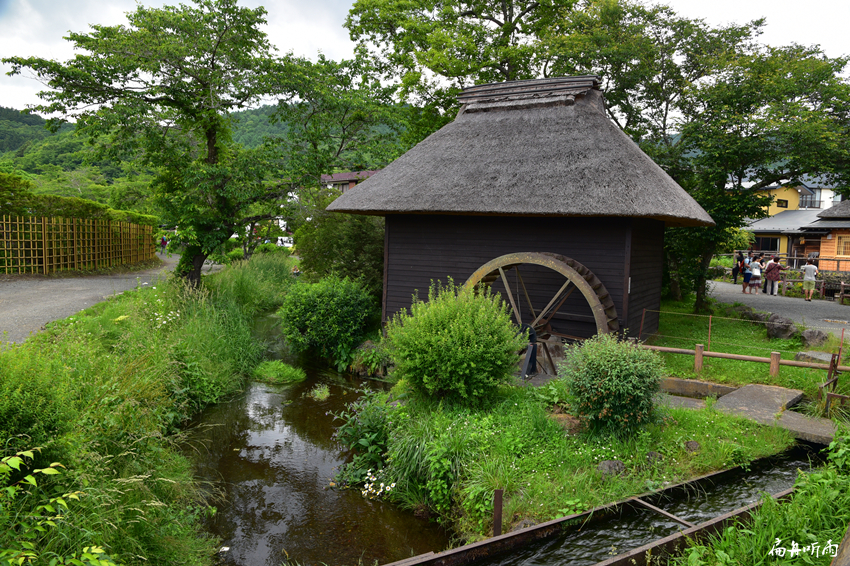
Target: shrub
611,383
329,317
275,371
234,255
271,248
348,245
460,345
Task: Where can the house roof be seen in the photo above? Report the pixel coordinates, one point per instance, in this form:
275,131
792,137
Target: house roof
786,221
348,176
828,224
527,148
840,210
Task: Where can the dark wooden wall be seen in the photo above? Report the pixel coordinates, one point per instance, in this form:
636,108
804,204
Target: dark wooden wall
646,268
422,248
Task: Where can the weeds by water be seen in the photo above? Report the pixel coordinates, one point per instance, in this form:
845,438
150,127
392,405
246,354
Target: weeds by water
448,460
277,372
320,392
104,390
808,528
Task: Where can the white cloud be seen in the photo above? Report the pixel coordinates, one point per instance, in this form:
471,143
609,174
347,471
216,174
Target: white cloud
36,27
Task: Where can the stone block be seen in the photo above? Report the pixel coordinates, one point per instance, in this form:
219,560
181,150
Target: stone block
813,338
781,327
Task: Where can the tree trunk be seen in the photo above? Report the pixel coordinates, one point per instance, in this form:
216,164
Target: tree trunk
190,265
701,303
675,278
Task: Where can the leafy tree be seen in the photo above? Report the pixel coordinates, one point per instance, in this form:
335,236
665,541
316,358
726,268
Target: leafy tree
347,245
771,115
164,87
339,118
646,55
456,42
723,115
15,195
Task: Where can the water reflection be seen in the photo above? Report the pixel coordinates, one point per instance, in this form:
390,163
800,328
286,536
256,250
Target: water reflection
272,452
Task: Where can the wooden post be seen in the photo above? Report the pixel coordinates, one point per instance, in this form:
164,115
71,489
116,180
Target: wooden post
774,364
642,316
698,358
497,512
44,245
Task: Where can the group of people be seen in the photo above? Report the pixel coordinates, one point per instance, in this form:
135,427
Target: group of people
757,273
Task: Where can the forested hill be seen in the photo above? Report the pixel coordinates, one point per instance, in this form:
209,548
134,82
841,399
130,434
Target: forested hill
17,128
56,163
250,127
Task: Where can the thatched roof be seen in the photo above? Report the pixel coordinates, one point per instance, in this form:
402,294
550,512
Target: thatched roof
527,148
840,210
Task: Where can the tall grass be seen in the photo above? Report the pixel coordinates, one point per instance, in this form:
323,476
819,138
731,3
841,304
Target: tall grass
104,392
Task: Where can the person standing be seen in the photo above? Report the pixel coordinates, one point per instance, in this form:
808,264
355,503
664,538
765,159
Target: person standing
810,272
771,275
747,273
763,272
755,276
737,267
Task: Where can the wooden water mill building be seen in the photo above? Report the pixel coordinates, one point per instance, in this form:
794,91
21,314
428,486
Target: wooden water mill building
533,190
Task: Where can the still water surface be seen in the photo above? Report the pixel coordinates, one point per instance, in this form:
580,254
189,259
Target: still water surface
271,451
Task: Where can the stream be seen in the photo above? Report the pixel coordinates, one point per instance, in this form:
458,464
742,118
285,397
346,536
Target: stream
271,452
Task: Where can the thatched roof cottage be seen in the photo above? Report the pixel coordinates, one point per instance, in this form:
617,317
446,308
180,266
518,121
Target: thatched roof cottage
529,166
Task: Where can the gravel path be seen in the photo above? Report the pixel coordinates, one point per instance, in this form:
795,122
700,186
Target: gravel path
825,315
30,302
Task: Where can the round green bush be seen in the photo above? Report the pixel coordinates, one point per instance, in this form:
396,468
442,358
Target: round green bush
612,383
276,372
459,345
329,317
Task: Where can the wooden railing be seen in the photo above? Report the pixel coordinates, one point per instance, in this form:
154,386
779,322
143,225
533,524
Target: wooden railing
46,245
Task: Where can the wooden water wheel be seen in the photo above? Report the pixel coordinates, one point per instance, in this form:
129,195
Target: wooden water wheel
537,314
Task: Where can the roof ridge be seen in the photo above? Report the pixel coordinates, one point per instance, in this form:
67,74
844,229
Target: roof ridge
534,88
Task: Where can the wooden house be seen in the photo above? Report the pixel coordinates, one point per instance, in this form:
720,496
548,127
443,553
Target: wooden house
533,190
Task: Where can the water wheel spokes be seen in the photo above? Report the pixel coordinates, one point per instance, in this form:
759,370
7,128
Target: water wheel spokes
577,277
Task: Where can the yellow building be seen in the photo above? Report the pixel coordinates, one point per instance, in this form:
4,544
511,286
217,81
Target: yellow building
809,194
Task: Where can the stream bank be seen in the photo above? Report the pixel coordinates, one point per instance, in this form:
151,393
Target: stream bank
271,452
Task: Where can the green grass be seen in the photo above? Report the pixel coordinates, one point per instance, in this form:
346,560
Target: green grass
679,328
105,392
451,459
320,392
277,372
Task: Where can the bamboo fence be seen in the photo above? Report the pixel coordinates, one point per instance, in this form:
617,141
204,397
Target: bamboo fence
46,245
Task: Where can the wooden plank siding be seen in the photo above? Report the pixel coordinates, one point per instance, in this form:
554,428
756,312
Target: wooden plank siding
422,248
646,273
829,249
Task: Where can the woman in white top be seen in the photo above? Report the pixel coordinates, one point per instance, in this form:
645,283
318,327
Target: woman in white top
755,280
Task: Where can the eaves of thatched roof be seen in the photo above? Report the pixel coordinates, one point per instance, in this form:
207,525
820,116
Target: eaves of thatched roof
839,210
527,148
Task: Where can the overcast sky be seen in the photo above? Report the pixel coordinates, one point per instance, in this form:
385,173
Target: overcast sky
36,27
